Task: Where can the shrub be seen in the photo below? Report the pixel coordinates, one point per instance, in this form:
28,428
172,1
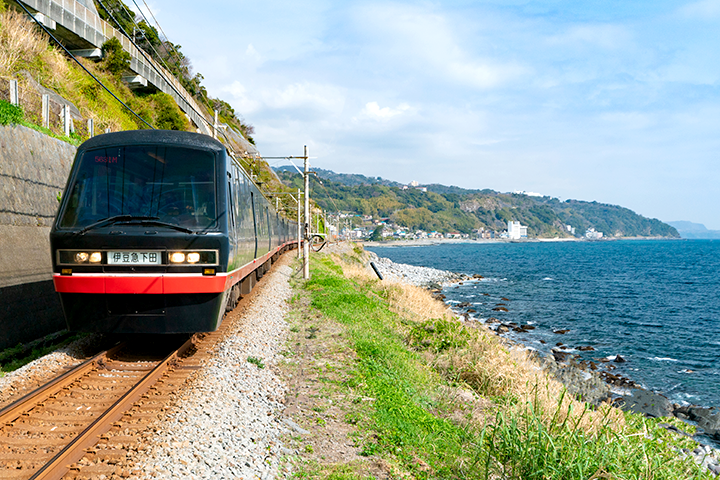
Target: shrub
117,60
169,116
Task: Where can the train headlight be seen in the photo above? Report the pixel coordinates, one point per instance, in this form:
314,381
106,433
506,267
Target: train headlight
95,257
81,257
177,257
193,257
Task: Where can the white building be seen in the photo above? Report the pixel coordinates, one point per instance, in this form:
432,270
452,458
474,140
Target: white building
592,234
516,231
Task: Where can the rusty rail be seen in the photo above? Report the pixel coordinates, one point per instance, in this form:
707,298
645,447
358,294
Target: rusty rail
39,395
60,464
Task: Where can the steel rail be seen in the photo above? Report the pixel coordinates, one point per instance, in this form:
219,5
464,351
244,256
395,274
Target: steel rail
26,403
60,464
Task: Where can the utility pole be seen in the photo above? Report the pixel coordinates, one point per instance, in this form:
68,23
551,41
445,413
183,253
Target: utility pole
299,225
306,244
215,125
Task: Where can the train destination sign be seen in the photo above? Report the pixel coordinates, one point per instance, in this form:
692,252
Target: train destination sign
135,257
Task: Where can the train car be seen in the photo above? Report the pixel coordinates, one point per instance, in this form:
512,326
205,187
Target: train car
159,232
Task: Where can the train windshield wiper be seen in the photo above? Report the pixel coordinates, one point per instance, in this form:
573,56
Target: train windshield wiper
112,220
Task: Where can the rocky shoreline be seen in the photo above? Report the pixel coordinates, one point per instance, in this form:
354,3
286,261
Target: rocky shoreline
593,382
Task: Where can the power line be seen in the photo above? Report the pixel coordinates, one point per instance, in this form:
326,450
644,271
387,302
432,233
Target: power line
142,52
142,32
81,65
178,61
167,39
328,194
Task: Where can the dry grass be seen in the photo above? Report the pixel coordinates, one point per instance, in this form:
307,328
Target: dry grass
481,360
19,40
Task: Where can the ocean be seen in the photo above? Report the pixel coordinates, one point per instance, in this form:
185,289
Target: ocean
656,303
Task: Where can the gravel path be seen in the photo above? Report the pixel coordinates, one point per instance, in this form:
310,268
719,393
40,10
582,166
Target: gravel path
226,422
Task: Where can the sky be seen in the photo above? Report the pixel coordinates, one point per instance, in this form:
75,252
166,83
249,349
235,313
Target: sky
615,101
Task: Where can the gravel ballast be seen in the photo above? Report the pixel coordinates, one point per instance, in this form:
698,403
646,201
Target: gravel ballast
226,422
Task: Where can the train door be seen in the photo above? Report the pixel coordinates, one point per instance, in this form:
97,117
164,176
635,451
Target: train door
246,221
270,229
232,220
255,223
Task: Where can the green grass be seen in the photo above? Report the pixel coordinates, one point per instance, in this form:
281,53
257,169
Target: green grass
256,361
15,357
10,114
406,426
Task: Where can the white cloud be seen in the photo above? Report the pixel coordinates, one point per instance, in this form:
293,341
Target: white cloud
429,43
703,9
610,37
313,97
251,52
624,121
374,111
241,101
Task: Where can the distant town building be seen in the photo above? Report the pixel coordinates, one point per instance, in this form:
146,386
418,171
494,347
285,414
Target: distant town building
529,194
591,234
414,184
570,229
516,231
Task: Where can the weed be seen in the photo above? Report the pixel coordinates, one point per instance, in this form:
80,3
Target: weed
10,114
312,332
13,358
256,361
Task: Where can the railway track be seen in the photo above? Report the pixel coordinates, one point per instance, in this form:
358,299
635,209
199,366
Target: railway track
84,423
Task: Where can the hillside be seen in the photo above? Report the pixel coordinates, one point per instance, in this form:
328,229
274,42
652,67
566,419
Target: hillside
448,209
696,231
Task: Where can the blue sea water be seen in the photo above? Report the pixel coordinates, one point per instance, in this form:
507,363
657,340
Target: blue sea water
656,303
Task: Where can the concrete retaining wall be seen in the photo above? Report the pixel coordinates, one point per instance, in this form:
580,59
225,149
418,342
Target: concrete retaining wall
33,170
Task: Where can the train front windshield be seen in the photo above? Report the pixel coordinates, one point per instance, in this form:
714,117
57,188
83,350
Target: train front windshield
174,185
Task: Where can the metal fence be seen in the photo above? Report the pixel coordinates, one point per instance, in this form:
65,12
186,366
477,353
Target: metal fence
47,109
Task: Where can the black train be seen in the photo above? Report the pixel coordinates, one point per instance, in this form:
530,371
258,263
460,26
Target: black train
159,232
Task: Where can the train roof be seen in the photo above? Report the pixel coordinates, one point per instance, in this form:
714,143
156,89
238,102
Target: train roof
153,137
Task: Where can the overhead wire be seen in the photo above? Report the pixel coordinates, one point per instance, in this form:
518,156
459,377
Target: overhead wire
142,52
210,124
328,194
177,54
142,32
178,57
81,65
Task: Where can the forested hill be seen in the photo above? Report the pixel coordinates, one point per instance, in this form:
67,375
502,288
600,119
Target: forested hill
453,209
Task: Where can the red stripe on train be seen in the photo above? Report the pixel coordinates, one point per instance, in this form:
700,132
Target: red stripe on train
157,284
141,284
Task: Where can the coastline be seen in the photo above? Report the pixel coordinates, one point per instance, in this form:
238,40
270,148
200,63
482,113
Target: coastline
422,242
594,382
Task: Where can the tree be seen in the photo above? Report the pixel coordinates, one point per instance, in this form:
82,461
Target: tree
377,234
117,60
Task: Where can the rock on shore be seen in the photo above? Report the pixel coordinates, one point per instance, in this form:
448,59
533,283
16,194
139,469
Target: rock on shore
419,276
